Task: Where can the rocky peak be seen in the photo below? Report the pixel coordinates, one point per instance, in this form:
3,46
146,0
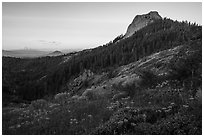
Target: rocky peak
141,21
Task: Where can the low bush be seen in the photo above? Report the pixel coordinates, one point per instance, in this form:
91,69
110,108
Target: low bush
149,79
61,97
89,93
39,104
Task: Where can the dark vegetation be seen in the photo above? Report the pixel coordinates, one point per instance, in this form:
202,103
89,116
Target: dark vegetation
160,104
21,77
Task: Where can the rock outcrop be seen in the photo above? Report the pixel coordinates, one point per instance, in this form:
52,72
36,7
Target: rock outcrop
141,21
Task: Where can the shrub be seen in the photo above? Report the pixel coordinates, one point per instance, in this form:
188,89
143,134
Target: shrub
128,84
39,104
89,93
111,73
119,96
85,83
62,97
90,114
199,95
149,79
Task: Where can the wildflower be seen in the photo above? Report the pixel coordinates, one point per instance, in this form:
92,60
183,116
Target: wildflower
117,102
128,107
18,126
170,107
27,123
185,106
144,117
163,108
159,111
168,110
172,103
132,102
136,110
120,123
125,120
133,124
11,127
53,105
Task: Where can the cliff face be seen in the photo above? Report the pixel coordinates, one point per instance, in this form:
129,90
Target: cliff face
141,21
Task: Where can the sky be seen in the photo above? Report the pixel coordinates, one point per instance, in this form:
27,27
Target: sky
59,26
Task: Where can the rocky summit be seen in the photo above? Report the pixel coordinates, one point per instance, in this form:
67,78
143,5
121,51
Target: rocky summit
140,21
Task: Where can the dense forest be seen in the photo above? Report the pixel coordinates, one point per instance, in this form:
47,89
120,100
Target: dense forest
29,79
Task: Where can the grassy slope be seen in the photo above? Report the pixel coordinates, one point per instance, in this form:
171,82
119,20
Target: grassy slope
155,101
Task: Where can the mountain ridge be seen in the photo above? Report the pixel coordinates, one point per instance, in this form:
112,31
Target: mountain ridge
55,53
24,53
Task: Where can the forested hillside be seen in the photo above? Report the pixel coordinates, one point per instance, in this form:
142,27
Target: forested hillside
22,78
148,83
157,36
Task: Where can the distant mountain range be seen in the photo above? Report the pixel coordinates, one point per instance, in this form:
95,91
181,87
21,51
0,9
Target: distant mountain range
33,53
56,53
24,53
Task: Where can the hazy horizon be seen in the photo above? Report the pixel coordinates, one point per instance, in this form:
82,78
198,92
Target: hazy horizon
60,26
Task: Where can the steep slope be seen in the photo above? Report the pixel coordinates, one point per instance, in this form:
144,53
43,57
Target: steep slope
140,21
156,36
164,64
144,97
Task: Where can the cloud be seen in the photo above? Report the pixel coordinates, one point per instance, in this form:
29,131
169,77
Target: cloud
51,43
41,40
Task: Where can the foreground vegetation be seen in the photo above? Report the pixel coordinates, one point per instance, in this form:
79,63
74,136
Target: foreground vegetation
167,101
